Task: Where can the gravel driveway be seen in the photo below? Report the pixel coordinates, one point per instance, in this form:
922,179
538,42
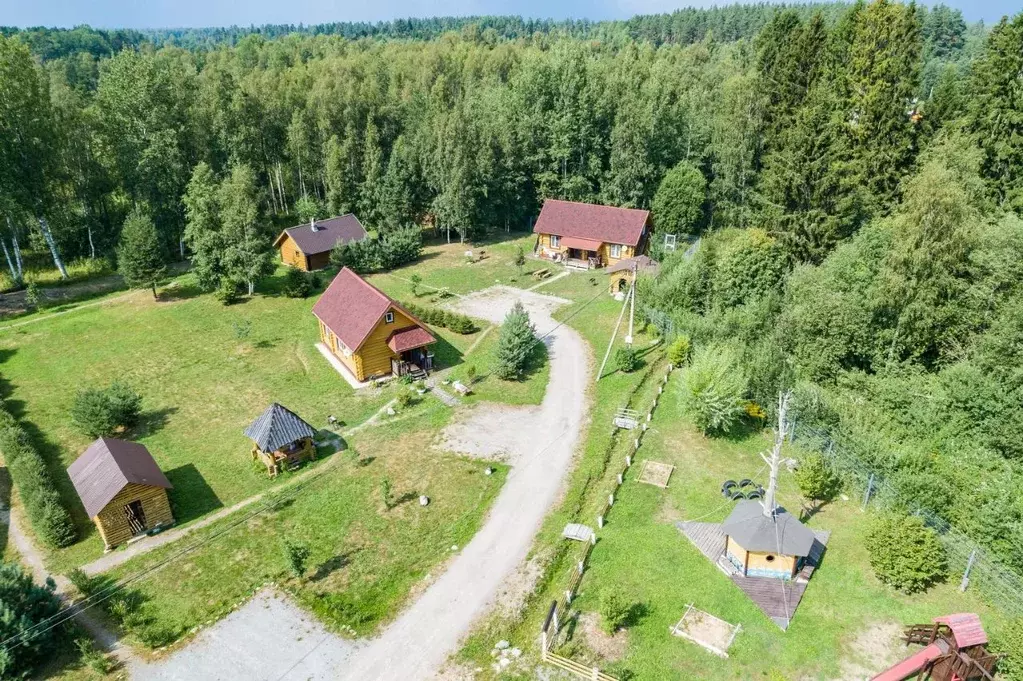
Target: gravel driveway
539,442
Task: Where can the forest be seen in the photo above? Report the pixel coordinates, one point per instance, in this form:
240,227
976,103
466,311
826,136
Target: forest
857,171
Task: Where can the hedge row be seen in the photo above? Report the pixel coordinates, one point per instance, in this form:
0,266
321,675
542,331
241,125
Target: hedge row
43,505
458,323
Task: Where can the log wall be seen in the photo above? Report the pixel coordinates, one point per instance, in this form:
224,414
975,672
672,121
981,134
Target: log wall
112,521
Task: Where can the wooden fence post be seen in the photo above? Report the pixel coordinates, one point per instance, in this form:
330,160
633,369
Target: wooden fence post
568,596
600,522
619,478
611,499
581,567
628,461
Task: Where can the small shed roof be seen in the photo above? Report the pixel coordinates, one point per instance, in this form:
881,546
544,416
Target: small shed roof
641,262
107,466
605,224
966,628
320,236
781,533
581,244
409,338
278,427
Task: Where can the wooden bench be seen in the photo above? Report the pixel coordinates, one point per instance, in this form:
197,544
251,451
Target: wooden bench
542,273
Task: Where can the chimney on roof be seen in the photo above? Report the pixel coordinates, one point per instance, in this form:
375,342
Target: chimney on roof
312,225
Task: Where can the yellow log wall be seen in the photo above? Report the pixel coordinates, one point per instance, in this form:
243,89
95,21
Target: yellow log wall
374,354
112,521
291,255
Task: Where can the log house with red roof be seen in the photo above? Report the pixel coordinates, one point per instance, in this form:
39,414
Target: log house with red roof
587,235
369,333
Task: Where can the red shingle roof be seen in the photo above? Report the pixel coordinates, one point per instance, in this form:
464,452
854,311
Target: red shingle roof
351,307
606,224
966,628
407,339
344,228
107,466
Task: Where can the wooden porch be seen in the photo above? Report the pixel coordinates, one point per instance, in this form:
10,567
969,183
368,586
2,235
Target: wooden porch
417,363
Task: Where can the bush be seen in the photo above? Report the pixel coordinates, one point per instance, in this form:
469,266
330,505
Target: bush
904,552
626,359
33,295
816,481
227,292
296,284
678,351
458,323
1009,640
43,504
514,344
712,390
393,249
82,582
386,493
101,412
295,555
23,606
405,399
614,610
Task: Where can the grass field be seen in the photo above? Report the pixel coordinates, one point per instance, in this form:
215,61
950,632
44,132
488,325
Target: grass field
364,558
642,555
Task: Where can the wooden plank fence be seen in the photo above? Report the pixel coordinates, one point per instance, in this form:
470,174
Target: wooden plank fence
561,605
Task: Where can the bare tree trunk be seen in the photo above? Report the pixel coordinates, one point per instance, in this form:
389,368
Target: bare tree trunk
280,185
252,287
181,246
17,255
92,246
45,227
14,273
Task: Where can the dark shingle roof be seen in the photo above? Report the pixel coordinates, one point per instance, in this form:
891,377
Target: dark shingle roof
783,534
606,224
641,262
328,232
277,427
107,466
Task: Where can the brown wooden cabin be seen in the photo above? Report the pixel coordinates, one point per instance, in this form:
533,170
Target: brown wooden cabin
281,439
624,271
587,235
371,334
122,489
308,247
761,545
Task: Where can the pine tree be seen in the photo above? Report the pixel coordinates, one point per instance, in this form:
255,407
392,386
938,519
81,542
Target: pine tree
515,344
140,260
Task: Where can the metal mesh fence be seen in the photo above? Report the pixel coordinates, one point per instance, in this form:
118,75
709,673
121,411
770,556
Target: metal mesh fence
999,584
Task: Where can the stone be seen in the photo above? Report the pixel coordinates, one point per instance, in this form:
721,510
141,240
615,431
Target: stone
501,645
516,652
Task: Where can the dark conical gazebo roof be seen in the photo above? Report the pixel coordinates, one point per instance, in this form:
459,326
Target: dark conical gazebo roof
277,427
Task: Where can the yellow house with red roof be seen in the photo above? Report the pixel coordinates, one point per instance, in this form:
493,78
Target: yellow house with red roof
589,235
371,334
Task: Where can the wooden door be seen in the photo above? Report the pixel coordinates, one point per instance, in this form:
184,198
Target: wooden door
136,517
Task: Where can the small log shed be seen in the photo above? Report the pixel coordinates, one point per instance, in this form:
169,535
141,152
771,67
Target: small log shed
122,488
280,438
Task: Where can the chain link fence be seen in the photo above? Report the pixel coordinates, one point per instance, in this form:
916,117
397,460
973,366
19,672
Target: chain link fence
974,565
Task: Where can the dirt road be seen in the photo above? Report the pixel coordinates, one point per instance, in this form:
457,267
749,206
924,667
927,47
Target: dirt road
539,442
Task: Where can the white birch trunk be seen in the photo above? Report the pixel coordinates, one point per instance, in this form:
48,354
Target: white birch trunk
92,246
45,227
17,255
14,273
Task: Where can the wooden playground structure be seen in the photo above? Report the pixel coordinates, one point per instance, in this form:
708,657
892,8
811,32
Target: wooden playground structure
956,650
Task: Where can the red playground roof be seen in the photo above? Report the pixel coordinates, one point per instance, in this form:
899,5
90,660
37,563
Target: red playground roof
966,628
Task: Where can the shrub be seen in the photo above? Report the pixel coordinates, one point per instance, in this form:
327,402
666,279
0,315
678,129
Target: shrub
470,373
295,555
405,399
414,281
904,552
514,344
23,606
678,351
626,359
227,292
33,295
458,323
712,390
101,412
816,481
43,504
297,284
385,493
462,325
614,610
1009,640
82,581
520,258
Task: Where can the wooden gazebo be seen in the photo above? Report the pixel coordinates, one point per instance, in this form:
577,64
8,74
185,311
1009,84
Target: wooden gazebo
280,438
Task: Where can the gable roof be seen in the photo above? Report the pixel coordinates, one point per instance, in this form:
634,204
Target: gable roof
408,338
351,307
344,228
642,262
277,427
606,224
107,466
754,531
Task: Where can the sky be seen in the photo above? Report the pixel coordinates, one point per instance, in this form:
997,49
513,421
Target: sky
199,13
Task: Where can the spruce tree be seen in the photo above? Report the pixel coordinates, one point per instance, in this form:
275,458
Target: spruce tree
203,230
248,256
140,259
515,344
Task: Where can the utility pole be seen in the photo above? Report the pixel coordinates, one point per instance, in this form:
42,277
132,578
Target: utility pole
632,308
774,461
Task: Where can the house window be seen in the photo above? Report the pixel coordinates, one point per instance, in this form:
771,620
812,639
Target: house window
389,317
555,241
616,250
344,348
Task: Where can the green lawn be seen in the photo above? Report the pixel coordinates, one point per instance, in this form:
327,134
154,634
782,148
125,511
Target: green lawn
365,559
487,387
642,554
204,370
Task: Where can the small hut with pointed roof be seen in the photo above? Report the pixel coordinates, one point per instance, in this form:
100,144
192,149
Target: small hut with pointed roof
766,544
280,438
122,489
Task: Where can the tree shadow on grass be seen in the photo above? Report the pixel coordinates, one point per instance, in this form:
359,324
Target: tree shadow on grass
153,421
191,496
172,294
331,565
445,355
